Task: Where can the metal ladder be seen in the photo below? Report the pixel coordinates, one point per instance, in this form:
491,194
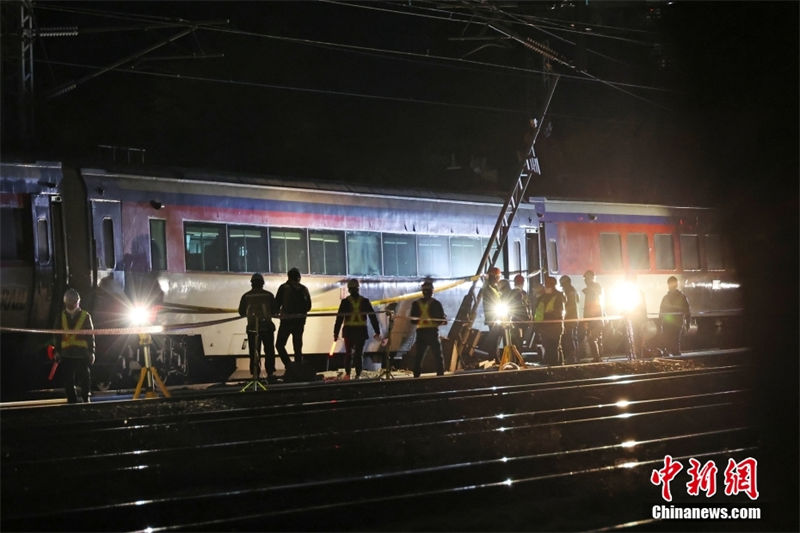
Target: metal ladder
469,305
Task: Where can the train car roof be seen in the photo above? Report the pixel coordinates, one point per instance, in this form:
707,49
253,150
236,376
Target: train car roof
490,196
200,176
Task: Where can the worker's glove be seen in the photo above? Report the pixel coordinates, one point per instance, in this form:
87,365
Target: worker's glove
377,336
335,337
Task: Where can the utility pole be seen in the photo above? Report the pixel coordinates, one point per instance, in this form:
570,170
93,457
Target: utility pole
27,113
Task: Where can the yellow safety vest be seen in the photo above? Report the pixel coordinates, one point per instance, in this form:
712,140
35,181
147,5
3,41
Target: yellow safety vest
69,340
425,315
542,308
355,318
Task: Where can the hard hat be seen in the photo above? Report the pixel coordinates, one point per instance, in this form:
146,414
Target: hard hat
550,281
427,284
519,279
565,279
257,279
71,297
494,271
352,284
588,274
294,274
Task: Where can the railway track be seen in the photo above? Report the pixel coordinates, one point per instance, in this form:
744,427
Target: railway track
471,452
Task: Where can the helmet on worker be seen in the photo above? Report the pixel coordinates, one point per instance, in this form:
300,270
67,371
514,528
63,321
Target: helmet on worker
519,280
427,286
294,274
257,280
493,274
71,299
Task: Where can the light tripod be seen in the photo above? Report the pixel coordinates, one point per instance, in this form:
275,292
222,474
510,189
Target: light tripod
149,371
386,371
256,312
510,353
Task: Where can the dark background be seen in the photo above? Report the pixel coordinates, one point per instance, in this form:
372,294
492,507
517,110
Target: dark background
712,119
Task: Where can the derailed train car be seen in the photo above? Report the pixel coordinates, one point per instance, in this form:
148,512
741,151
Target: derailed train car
188,241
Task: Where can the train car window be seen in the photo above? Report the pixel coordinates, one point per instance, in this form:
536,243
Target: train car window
665,252
690,254
465,255
399,255
363,253
158,244
518,252
42,241
205,247
552,255
288,248
247,249
638,251
500,263
108,243
433,254
714,255
327,252
611,251
15,223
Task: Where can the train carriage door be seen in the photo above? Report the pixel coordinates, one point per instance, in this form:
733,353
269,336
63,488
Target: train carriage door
49,274
107,242
534,257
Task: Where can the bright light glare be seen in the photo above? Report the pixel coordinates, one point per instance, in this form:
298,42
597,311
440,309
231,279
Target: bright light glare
508,482
622,403
139,316
501,311
630,464
625,297
628,444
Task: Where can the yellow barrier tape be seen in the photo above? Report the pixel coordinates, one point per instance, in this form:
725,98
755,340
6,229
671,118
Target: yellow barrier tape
409,296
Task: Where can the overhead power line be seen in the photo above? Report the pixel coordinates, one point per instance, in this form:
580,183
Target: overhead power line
365,49
275,86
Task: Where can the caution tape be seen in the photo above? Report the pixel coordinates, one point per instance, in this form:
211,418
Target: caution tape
155,329
197,309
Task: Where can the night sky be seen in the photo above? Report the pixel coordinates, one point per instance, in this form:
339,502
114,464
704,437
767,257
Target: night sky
713,91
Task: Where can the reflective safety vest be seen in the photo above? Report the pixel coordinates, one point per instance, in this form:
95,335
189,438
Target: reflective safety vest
355,318
542,308
69,340
425,320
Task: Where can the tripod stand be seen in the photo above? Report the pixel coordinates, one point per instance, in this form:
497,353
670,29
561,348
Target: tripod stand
511,355
257,305
149,371
386,371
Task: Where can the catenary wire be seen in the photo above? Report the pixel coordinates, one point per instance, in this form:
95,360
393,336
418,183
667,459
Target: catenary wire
427,57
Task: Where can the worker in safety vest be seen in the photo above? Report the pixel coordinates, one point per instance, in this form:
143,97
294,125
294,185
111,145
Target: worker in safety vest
593,308
353,312
519,309
674,314
258,305
75,353
548,320
569,341
427,314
